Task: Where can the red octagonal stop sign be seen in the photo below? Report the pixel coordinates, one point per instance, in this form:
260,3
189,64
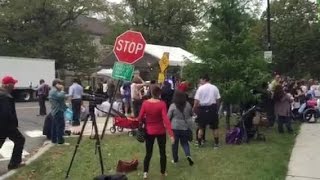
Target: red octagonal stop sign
129,47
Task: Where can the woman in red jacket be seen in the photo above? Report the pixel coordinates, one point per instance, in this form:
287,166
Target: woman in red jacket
154,114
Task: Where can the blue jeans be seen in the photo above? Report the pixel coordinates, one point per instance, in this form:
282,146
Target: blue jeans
182,136
58,126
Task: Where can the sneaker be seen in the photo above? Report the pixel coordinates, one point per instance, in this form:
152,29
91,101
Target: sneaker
190,161
145,175
216,146
163,176
174,162
64,144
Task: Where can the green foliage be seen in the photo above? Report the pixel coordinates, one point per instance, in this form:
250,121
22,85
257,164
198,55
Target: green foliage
162,22
229,53
47,29
295,37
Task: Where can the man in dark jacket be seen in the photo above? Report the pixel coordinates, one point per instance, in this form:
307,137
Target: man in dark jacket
9,122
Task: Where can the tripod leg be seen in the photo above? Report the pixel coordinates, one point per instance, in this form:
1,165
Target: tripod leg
76,148
109,112
98,144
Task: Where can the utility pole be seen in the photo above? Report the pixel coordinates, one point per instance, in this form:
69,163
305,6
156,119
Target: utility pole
269,25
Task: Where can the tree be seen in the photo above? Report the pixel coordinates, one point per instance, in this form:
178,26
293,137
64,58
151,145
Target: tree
295,33
47,29
230,56
163,22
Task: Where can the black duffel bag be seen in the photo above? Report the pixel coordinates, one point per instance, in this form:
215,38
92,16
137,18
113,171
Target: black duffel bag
112,177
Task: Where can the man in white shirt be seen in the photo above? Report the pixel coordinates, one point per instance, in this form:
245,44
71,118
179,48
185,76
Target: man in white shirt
206,105
75,94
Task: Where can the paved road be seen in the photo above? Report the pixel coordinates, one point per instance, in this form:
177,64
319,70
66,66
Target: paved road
31,126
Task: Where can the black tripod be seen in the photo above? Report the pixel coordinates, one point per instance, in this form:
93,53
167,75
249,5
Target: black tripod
96,137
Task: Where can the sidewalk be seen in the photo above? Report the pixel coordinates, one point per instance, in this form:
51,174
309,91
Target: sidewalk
100,122
305,158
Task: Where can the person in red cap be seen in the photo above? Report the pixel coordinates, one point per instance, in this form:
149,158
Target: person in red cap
183,86
9,122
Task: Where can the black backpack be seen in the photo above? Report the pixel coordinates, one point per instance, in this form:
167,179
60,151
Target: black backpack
46,90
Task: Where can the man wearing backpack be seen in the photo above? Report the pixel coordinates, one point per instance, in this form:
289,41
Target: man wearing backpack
43,92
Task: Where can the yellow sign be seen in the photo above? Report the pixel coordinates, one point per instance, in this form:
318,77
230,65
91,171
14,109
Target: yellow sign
161,77
164,62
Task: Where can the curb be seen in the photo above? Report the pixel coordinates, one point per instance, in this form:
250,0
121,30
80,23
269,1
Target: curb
39,153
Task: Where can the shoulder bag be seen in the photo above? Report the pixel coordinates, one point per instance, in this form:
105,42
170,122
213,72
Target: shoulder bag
189,131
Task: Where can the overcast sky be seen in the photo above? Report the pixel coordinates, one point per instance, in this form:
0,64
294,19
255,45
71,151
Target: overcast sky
263,7
114,0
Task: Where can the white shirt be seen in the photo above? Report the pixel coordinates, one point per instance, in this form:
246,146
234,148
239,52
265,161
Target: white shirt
76,91
207,94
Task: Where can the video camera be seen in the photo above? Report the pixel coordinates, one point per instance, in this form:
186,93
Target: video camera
94,98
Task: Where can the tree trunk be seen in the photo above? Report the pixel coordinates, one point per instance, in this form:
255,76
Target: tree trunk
228,109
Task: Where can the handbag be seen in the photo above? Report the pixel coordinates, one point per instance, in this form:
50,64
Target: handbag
141,133
126,167
189,131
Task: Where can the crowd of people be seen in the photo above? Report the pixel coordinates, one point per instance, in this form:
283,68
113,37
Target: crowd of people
167,108
286,98
162,108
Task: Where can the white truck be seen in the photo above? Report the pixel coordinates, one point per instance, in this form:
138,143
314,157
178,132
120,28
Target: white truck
28,72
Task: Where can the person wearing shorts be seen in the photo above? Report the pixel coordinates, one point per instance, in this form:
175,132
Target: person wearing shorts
206,105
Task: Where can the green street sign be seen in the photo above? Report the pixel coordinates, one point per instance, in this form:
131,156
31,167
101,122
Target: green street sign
122,71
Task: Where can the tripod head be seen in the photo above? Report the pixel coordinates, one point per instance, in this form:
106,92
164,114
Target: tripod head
94,98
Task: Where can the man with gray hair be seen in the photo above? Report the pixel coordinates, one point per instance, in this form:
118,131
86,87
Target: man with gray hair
9,122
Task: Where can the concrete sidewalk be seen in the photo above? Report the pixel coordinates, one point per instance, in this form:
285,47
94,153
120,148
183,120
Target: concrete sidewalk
100,122
305,158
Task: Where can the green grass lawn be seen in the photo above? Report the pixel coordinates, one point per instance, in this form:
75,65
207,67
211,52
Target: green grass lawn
254,161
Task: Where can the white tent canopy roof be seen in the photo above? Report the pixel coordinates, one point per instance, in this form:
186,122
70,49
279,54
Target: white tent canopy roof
177,55
105,72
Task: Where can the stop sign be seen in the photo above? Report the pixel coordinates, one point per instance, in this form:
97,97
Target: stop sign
129,47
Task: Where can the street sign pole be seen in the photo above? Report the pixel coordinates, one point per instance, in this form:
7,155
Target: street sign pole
129,48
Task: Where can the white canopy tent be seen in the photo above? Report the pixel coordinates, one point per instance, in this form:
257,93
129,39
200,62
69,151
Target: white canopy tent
177,55
105,72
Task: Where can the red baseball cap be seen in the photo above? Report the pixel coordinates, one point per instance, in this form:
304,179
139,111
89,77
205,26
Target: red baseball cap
8,80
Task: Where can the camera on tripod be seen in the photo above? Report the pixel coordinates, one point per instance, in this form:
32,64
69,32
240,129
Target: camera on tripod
94,98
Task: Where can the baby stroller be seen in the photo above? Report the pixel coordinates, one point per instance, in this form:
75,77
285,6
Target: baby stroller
249,125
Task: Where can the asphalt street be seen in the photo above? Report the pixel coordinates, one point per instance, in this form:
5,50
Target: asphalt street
31,126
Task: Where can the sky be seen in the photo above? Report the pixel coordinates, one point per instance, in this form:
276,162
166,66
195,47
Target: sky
114,0
263,7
